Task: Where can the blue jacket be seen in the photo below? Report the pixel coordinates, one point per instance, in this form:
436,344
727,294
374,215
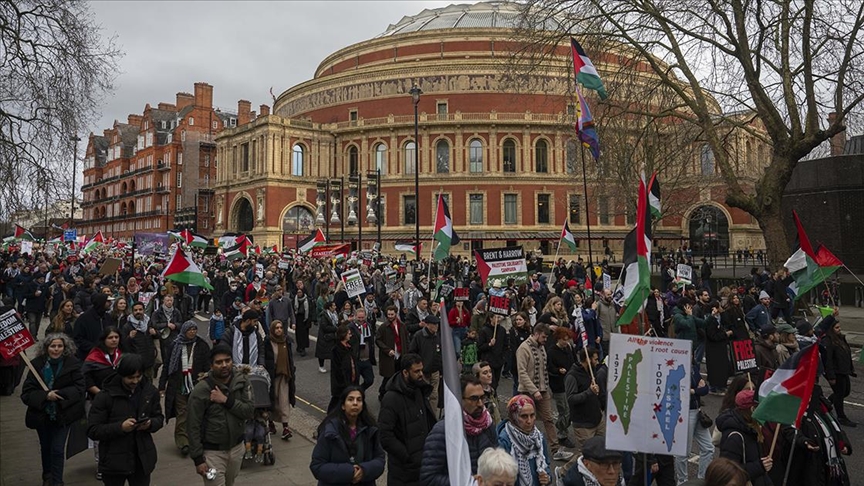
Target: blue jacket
758,317
332,462
433,471
506,444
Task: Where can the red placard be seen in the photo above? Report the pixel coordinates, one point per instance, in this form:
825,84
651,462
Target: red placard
499,305
743,355
14,336
461,294
329,251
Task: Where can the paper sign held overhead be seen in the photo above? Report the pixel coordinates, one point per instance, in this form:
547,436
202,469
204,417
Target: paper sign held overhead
354,285
14,336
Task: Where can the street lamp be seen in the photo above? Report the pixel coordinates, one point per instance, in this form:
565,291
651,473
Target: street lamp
321,200
415,96
74,139
355,183
373,202
336,206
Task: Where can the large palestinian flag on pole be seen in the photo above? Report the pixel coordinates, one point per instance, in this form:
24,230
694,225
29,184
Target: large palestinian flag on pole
193,239
585,71
22,233
182,269
567,237
93,243
809,267
315,239
458,456
443,233
636,272
784,397
408,247
654,196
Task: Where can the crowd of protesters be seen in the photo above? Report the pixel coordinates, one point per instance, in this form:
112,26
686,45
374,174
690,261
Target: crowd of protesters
117,346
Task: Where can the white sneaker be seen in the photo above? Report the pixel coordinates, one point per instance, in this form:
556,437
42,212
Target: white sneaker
322,369
562,455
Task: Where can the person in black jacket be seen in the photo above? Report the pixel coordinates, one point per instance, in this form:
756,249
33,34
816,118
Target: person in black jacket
189,358
742,440
36,293
427,343
50,412
560,358
405,420
838,369
343,367
492,343
139,337
123,418
349,449
363,345
585,398
717,352
89,325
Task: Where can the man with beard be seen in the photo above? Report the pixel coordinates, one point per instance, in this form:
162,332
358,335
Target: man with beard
167,320
124,416
608,317
363,346
479,433
405,420
89,325
427,343
392,340
218,409
414,317
137,337
244,340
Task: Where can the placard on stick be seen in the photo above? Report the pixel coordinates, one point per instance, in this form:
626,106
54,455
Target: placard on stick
461,294
110,266
743,356
499,305
354,285
15,339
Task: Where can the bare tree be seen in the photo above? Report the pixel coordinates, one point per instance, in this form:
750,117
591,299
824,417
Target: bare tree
55,69
788,63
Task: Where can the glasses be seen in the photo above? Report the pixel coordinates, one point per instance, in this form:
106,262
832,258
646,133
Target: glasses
474,398
609,466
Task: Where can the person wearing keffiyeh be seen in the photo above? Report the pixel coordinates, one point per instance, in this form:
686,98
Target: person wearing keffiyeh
189,358
519,436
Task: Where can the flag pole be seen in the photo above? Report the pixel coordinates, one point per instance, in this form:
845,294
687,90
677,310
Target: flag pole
555,261
791,454
853,275
587,213
774,440
431,246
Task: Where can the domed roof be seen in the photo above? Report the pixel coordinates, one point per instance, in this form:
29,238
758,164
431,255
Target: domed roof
491,14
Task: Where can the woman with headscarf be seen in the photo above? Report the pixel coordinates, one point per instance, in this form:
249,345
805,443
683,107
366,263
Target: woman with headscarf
51,412
282,380
189,358
303,319
519,436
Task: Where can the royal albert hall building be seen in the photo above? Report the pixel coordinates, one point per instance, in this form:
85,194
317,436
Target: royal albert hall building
504,158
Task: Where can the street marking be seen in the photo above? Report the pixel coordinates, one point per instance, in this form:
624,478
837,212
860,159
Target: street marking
312,338
316,407
853,404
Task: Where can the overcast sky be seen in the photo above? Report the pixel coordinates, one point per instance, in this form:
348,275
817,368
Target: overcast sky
241,48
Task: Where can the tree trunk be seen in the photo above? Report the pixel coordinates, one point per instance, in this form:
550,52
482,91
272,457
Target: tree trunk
770,220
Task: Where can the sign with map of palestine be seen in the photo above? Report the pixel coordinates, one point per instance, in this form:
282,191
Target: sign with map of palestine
648,395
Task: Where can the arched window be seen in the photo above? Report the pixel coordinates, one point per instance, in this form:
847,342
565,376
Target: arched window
410,154
508,155
123,208
353,160
131,207
707,160
297,157
298,220
749,153
475,156
541,157
132,185
381,158
442,157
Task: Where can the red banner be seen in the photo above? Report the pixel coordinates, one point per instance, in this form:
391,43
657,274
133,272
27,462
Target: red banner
329,251
14,336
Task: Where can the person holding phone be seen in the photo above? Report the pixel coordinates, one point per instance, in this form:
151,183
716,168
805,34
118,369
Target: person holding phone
124,415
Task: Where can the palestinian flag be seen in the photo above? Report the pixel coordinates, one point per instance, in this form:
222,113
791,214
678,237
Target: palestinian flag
94,242
55,241
567,237
585,71
589,286
636,272
408,247
456,451
654,196
240,248
182,269
316,238
271,250
585,127
23,234
809,267
193,239
784,397
444,233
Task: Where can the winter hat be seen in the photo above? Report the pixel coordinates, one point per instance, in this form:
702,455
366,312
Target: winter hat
571,283
804,327
496,283
745,399
764,295
767,330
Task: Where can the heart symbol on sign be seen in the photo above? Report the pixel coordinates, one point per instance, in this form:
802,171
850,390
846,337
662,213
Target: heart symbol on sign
613,418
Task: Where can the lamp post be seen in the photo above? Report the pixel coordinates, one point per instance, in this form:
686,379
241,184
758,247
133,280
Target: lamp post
321,200
336,206
355,182
373,195
415,96
74,139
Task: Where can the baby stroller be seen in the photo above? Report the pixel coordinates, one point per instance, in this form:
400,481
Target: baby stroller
258,445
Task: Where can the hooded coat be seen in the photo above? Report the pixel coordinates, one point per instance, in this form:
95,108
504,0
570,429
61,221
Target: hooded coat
739,443
89,325
404,421
333,463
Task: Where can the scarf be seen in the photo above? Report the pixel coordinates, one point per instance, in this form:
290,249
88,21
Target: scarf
140,326
476,426
242,340
364,330
169,312
538,353
280,346
178,355
301,307
397,339
589,478
525,447
48,374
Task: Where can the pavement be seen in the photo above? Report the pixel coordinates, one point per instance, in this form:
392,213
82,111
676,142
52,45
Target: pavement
19,446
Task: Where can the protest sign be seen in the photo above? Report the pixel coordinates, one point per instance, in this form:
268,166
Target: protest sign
259,270
648,394
110,266
391,285
145,297
684,273
499,305
743,356
15,339
354,285
607,281
150,243
26,247
461,294
329,251
502,264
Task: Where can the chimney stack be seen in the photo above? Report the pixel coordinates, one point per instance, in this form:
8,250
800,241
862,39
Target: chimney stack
838,142
264,110
135,120
244,112
167,107
184,100
203,95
